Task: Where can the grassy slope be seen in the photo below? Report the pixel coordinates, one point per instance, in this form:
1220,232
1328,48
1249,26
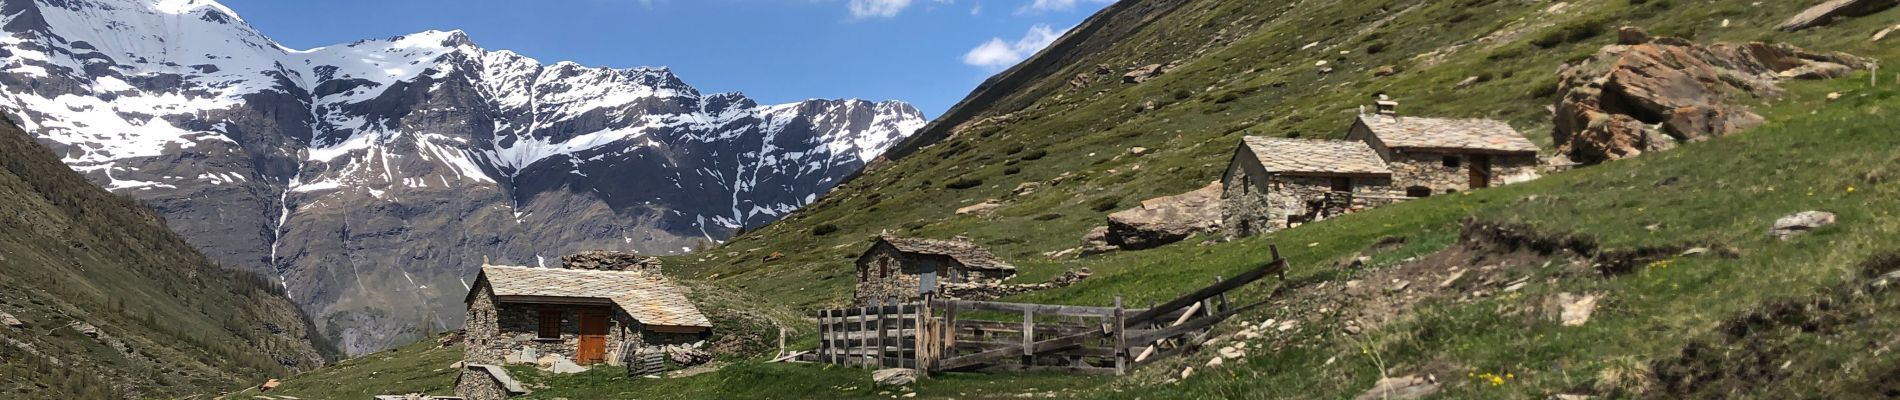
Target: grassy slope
70,251
1263,82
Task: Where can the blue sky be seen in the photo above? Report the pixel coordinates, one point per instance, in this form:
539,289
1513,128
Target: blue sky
927,52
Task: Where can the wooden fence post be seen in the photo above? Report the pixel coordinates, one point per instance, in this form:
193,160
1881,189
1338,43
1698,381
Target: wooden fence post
880,333
824,337
1121,339
1029,338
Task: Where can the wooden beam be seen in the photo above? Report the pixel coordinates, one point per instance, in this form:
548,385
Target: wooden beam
1149,336
1256,274
1046,309
1177,321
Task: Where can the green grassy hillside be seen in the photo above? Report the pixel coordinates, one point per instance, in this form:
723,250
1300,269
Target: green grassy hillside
169,322
1752,317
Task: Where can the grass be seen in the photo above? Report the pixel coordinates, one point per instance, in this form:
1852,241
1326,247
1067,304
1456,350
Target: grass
1053,157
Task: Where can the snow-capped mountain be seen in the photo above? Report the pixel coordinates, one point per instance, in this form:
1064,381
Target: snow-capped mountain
372,178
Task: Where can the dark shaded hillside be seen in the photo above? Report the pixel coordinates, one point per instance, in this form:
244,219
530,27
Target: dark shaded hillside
164,320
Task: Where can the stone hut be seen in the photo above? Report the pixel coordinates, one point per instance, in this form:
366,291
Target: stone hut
587,317
1273,183
1444,155
903,269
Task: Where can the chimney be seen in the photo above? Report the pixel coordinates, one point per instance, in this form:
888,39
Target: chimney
1386,105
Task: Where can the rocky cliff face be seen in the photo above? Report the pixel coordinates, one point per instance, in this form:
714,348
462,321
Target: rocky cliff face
371,178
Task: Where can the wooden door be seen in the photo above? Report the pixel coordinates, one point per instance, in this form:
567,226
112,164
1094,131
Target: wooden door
1480,171
593,346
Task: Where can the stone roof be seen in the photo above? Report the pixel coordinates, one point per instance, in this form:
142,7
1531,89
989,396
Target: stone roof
1398,131
651,299
969,254
1316,156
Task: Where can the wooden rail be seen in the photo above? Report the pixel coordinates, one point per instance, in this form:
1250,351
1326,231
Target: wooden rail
936,334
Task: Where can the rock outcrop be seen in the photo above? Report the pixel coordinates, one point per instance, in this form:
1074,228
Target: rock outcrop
1163,220
1826,13
1638,97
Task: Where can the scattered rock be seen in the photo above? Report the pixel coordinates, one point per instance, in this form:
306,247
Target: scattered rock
9,320
986,290
1163,220
978,208
775,256
1216,362
1832,96
1883,33
1466,83
1386,70
1695,251
1630,99
1826,13
1185,373
1400,388
1630,35
1137,151
1570,397
687,356
1452,280
523,355
452,338
897,377
555,363
1143,74
1575,309
1799,223
86,329
269,385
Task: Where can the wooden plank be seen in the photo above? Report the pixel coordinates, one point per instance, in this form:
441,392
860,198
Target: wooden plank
1060,343
1121,339
1276,266
1151,335
882,333
1177,321
1046,309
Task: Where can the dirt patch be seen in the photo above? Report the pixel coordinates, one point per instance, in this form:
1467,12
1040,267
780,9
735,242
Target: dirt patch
1501,237
1754,351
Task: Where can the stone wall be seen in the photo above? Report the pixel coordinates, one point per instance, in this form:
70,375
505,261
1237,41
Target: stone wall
1248,210
481,345
476,384
905,281
519,324
1414,170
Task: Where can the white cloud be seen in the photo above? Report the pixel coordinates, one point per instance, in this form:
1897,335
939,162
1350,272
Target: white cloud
996,53
877,8
1041,6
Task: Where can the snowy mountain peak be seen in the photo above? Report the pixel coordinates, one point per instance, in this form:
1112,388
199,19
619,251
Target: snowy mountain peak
371,176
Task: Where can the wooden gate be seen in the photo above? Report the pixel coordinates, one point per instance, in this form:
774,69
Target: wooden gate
957,335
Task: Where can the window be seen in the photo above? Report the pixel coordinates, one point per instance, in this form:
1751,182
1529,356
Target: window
1342,184
884,268
1453,162
1418,192
550,323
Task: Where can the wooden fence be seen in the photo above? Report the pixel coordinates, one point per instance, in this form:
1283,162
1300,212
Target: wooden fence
956,335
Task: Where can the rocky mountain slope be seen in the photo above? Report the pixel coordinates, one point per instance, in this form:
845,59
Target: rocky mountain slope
370,178
99,300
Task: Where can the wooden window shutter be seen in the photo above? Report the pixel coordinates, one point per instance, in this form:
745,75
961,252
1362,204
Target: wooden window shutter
550,323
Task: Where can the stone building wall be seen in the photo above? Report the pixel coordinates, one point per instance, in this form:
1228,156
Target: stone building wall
1414,170
1247,209
481,344
475,384
519,326
905,280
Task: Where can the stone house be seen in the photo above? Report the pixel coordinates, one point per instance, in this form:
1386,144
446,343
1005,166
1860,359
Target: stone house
525,314
1445,155
1273,183
903,269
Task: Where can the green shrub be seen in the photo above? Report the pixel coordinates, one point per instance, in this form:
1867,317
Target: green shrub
1012,170
824,229
1033,155
964,183
1103,204
1571,32
1048,217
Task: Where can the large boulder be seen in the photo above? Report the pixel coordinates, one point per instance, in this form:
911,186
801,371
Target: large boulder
1827,12
1648,96
1165,220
